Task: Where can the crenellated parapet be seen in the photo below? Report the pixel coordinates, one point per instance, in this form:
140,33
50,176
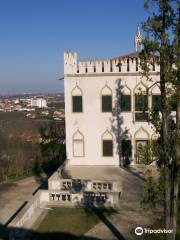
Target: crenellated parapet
124,64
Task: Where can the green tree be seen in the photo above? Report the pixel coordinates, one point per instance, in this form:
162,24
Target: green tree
53,148
161,45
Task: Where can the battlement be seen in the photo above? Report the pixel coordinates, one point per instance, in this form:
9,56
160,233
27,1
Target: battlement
70,62
124,64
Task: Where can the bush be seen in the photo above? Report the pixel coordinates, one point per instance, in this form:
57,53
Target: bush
152,194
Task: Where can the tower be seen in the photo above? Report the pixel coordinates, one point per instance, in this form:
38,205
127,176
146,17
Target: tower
138,40
70,62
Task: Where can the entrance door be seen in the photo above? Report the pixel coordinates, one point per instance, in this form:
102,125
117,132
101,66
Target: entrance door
126,148
140,151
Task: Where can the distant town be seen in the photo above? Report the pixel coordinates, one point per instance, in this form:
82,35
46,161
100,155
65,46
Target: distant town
35,106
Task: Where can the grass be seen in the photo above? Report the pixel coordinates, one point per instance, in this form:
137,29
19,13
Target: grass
66,223
14,177
21,176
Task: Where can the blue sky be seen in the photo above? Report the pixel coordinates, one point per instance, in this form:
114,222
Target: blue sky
35,33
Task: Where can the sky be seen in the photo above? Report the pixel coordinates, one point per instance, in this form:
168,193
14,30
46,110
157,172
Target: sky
35,33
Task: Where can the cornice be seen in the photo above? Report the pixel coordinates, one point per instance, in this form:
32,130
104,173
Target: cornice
108,74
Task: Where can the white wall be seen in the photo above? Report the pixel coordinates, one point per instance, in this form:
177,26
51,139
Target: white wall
92,122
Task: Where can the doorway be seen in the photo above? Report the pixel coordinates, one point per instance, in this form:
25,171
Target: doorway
141,151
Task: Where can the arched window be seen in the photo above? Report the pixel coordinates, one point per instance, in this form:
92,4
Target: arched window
156,98
126,147
107,144
106,99
141,145
125,100
141,102
78,144
77,100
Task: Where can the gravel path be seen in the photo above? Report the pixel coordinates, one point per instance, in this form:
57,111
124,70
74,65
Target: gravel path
14,195
130,215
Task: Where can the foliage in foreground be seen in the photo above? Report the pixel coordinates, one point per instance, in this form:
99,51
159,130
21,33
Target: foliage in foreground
161,46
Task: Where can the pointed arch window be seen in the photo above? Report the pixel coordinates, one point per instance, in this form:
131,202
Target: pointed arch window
141,103
77,100
125,100
78,144
107,144
156,98
126,147
106,99
141,137
156,102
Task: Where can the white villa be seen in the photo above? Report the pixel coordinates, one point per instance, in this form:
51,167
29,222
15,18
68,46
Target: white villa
106,108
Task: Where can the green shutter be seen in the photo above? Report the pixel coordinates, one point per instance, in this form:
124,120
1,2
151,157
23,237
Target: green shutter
107,148
106,103
77,103
141,103
126,148
156,102
125,103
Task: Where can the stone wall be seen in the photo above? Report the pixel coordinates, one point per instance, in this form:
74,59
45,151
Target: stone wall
28,215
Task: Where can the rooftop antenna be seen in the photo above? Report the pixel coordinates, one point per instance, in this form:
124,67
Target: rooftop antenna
138,40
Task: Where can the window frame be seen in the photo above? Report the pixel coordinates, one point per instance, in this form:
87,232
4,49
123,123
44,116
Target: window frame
129,95
155,95
145,140
141,95
144,112
75,139
106,95
109,140
73,96
81,141
123,143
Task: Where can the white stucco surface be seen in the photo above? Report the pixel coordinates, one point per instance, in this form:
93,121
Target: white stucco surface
92,123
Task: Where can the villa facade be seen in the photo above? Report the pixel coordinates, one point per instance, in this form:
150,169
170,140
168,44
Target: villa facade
106,108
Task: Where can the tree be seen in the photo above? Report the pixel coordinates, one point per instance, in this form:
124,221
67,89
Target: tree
52,145
161,45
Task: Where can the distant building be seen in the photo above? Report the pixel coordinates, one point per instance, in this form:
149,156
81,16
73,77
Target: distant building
38,102
58,114
44,113
16,101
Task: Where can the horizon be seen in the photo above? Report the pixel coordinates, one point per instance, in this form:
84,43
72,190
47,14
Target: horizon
30,93
35,34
